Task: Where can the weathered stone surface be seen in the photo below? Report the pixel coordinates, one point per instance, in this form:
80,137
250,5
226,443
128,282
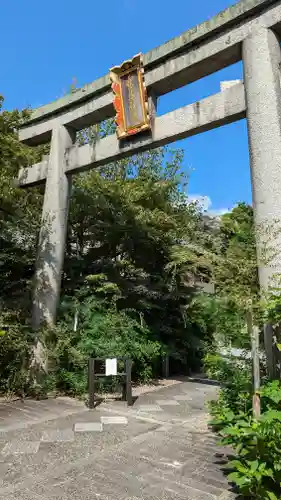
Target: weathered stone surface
22,447
51,245
262,60
58,435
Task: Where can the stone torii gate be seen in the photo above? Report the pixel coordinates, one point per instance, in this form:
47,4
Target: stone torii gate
249,31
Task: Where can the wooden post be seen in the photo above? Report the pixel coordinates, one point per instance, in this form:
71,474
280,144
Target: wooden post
166,366
91,383
253,332
129,382
269,350
256,372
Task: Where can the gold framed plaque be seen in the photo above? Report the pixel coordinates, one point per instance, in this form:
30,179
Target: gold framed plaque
130,97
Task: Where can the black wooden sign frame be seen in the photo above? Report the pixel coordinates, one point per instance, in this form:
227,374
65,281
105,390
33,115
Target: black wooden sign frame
127,384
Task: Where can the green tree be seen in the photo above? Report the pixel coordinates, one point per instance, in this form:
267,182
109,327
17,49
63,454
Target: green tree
236,274
124,221
19,213
19,226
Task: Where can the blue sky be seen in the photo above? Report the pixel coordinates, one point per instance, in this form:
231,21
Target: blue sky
44,45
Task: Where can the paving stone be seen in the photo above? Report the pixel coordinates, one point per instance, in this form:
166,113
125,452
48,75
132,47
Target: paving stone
149,408
114,420
11,474
219,481
195,494
24,495
205,487
167,402
177,487
52,436
182,397
23,414
88,427
22,447
228,495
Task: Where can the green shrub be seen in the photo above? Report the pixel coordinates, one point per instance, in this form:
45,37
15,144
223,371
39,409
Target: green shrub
257,443
236,379
270,395
15,348
256,469
103,334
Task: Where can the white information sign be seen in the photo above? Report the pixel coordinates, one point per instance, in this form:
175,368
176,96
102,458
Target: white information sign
111,366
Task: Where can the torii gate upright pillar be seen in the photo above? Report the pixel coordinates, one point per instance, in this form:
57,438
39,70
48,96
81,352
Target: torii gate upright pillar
262,61
52,236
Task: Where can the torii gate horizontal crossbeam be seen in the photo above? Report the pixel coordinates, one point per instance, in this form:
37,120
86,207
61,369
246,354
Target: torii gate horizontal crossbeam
219,109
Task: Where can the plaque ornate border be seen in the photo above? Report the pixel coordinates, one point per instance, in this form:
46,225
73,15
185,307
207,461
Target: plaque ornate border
136,63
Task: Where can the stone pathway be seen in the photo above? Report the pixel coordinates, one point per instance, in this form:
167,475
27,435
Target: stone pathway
160,448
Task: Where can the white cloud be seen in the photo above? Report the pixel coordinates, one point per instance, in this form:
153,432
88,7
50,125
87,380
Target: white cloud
205,203
219,211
